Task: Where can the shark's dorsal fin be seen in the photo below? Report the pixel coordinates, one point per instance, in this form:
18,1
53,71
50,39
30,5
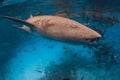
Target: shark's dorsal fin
31,26
31,15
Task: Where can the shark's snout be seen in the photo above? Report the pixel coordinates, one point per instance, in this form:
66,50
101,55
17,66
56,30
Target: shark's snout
98,36
94,35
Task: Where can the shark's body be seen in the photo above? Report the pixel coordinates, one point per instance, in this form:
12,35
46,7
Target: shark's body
59,28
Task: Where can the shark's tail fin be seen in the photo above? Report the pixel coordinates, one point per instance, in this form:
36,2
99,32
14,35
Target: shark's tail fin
17,20
31,26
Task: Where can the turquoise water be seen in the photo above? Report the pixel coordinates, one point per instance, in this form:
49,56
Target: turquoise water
26,56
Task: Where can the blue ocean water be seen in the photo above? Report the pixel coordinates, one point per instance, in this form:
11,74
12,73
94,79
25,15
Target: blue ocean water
26,56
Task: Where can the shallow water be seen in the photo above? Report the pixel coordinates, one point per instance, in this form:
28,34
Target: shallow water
25,56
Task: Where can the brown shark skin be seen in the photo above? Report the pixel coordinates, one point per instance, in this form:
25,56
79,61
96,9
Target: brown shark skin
61,28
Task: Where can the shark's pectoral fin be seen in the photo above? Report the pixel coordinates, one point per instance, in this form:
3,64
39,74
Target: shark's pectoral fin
26,28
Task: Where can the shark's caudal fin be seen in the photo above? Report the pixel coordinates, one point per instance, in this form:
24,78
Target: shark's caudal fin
31,26
18,20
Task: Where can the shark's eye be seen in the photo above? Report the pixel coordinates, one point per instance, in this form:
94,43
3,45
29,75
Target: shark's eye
74,26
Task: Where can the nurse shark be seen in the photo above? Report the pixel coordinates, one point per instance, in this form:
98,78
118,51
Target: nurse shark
58,28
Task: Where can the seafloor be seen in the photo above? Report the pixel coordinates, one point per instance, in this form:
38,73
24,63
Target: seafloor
26,56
